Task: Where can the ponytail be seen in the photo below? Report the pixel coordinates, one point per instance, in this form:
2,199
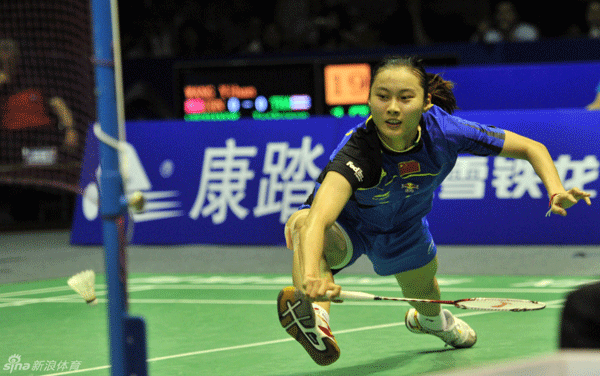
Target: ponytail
441,92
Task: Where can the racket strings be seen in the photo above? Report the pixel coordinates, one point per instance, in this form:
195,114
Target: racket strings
500,304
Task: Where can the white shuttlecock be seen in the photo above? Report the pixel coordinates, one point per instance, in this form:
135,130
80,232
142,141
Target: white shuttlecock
83,284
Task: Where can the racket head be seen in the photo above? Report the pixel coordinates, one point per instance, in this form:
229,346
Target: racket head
499,304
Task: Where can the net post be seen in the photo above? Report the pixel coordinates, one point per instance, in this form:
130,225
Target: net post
112,190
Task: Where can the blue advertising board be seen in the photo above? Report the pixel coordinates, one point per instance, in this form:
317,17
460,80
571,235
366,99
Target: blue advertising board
237,182
523,86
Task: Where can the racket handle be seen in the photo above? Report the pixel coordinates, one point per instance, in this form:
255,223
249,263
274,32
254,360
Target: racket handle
351,295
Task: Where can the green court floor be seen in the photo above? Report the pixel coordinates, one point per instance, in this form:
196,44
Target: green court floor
227,325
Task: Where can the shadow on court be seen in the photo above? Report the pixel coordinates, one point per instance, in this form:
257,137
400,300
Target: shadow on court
400,364
440,350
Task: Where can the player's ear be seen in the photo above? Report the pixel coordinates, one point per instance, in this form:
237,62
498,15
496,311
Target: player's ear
428,103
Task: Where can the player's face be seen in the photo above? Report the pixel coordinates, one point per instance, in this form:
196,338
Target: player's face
397,103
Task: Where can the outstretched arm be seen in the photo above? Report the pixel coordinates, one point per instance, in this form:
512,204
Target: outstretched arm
330,199
516,146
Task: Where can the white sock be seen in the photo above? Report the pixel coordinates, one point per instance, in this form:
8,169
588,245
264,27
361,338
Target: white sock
321,312
433,322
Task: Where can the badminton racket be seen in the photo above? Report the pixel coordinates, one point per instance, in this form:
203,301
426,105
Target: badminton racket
482,304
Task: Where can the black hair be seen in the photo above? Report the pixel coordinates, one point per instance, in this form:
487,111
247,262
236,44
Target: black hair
440,89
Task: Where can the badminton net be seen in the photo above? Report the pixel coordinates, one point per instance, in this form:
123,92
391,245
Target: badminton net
46,91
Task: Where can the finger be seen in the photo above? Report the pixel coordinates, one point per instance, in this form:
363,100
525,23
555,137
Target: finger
556,209
578,190
578,193
322,289
311,291
305,290
307,287
581,195
324,298
335,292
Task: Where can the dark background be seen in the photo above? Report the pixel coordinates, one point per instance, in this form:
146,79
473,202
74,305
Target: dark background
156,35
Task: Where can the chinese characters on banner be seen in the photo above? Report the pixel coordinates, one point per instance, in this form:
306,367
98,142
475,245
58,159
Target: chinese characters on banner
288,176
513,178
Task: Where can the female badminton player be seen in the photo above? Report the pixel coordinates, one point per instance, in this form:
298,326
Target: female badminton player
373,197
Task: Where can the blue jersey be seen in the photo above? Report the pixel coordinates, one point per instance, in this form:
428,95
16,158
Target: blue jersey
394,191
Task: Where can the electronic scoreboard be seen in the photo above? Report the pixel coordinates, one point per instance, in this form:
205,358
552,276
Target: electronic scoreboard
231,91
234,89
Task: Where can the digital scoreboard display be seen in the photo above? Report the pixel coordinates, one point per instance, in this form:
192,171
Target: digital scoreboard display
346,88
253,89
232,91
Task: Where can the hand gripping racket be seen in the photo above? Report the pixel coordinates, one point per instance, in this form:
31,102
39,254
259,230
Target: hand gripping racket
482,304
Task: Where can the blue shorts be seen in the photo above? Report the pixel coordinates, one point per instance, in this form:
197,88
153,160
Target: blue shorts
390,253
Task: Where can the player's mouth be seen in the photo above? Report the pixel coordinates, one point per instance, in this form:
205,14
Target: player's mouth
393,123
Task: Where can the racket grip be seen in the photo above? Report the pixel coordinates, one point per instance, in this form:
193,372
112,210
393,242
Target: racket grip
354,295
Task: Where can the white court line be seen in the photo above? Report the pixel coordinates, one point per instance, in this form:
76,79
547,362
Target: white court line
35,291
67,288
78,371
266,343
15,302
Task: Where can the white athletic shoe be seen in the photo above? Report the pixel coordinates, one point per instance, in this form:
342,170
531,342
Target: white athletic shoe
307,326
458,333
